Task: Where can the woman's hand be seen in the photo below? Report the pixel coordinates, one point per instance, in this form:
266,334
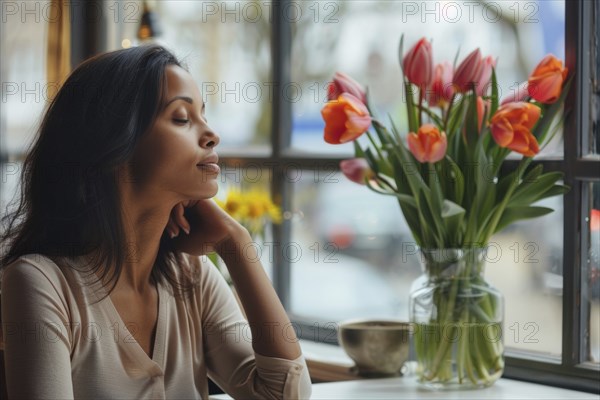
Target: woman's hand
207,227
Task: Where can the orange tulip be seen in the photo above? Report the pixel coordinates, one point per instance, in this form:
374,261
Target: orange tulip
342,83
346,118
418,64
428,144
546,80
468,72
356,170
441,90
511,127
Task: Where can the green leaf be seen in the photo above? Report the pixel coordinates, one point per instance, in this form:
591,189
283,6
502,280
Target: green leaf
456,116
458,181
370,157
358,151
436,119
411,110
437,199
432,222
470,123
401,52
541,128
453,216
533,174
495,97
513,214
528,192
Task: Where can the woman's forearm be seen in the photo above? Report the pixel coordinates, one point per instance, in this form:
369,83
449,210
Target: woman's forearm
272,332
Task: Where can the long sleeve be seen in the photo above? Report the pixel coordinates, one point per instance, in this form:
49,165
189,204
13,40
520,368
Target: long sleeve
37,344
230,358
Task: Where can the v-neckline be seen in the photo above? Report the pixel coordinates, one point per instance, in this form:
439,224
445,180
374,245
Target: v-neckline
154,365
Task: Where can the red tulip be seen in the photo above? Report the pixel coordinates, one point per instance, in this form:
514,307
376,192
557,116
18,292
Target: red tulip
346,118
517,95
441,90
511,127
546,80
342,83
428,144
486,74
356,169
468,72
418,64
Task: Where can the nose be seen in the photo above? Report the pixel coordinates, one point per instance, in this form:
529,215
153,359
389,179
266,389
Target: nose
209,139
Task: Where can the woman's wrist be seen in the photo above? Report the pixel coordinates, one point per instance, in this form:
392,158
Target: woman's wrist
235,245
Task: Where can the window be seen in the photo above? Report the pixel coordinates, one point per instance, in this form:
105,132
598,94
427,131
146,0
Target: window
25,90
263,67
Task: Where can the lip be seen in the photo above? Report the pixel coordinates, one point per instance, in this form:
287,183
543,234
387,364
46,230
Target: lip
209,164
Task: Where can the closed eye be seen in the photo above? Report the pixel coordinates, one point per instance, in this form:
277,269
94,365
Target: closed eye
181,121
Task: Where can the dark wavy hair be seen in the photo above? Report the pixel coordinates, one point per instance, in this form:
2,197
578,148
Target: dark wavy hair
69,198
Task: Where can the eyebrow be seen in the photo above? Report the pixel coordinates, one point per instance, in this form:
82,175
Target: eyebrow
184,98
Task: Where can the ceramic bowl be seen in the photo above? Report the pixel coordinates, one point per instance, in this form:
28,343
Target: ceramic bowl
378,347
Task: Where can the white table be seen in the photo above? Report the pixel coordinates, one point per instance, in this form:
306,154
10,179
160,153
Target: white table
408,388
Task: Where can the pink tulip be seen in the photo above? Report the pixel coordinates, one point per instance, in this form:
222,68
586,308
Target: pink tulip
486,74
356,169
418,64
428,144
441,90
342,83
517,95
468,72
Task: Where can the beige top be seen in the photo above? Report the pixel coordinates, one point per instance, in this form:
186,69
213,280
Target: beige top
59,346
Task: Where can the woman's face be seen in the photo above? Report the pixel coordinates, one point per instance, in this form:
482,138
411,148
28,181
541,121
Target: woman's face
177,154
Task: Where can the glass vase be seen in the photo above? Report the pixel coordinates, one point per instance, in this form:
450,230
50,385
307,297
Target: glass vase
457,321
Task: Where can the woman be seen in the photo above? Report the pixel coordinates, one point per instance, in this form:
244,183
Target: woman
104,290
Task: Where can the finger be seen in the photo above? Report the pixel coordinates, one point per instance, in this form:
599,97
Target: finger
180,218
172,228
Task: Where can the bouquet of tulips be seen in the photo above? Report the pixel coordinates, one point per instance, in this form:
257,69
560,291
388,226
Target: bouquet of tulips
444,167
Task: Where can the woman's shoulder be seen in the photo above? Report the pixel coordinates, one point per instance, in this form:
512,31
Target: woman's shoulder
32,265
41,271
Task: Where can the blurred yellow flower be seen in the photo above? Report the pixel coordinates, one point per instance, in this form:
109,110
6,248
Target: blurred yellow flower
254,209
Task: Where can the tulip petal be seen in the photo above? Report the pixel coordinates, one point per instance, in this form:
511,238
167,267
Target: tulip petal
415,147
502,132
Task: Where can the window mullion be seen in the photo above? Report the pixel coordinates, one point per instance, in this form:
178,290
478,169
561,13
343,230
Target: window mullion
575,32
281,43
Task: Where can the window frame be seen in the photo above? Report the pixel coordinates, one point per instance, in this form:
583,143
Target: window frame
571,371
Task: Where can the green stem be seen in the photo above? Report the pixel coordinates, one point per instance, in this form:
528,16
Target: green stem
375,146
500,210
448,113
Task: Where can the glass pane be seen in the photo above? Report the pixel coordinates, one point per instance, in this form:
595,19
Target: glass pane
244,192
226,46
10,173
525,262
25,91
594,46
591,279
361,39
351,253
